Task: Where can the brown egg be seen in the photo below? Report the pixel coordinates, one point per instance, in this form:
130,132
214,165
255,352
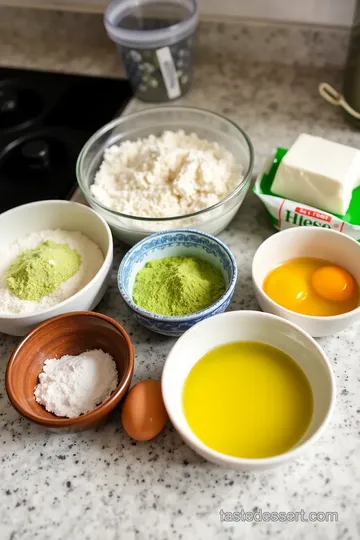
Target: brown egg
144,414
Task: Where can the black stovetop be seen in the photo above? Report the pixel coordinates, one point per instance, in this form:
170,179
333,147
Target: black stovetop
45,119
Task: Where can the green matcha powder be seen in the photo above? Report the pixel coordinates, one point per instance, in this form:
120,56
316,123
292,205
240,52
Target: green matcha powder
177,286
37,272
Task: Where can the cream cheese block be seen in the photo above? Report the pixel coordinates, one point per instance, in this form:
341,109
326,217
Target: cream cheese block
319,173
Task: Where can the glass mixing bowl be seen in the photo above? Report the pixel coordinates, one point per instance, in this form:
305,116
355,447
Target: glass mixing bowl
207,125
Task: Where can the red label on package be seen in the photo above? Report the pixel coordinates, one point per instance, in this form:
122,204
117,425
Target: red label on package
313,214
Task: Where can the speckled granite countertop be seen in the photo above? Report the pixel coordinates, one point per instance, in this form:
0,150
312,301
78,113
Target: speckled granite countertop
101,485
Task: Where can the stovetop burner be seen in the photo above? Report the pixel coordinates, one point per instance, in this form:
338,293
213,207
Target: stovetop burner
45,119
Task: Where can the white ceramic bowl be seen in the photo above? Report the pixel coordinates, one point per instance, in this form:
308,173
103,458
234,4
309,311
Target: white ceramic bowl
248,326
41,215
306,242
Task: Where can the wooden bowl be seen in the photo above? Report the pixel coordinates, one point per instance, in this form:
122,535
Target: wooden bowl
71,333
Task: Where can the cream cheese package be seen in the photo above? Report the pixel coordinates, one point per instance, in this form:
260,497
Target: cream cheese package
319,173
286,213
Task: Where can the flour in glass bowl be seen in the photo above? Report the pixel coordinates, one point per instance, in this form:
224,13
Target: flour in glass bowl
167,176
91,261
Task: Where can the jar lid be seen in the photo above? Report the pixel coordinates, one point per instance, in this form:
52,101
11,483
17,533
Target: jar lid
150,24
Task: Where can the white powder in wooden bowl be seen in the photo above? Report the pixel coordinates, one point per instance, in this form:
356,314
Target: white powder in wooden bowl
74,385
91,261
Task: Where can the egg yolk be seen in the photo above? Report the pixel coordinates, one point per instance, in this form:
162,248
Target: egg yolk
288,290
333,283
314,287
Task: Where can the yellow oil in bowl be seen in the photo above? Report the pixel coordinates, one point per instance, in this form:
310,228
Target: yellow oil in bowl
248,399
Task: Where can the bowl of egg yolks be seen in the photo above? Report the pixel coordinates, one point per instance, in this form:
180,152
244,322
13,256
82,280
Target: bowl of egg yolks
311,277
248,390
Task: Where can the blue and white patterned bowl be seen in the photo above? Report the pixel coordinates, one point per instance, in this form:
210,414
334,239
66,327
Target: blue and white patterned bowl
175,243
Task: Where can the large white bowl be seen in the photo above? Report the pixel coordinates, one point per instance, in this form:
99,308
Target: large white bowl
42,215
316,242
248,326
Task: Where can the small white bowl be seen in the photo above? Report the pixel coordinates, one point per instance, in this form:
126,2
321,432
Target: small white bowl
248,326
42,215
306,242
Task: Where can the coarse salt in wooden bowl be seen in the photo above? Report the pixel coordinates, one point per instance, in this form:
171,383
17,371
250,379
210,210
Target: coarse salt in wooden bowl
68,334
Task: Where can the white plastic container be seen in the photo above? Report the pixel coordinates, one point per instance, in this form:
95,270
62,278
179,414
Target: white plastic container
155,41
